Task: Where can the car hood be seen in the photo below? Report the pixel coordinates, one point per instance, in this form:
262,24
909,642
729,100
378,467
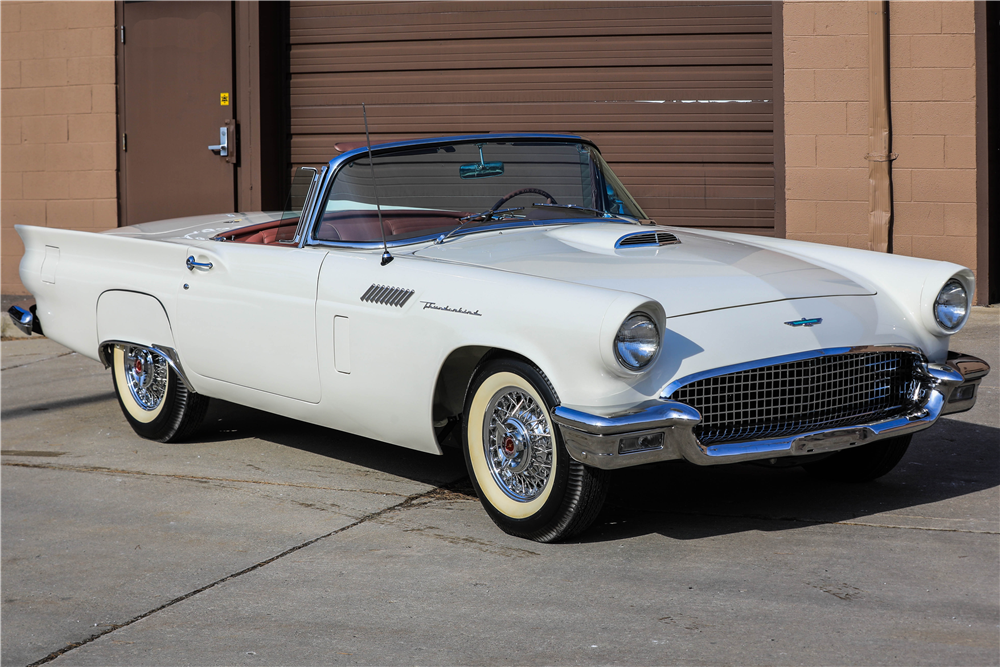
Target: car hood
196,227
697,274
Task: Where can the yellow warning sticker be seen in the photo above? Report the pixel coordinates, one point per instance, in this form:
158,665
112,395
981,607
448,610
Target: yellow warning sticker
224,99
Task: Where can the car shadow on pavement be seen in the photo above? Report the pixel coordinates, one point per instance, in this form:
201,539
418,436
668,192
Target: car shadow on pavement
687,502
677,499
229,421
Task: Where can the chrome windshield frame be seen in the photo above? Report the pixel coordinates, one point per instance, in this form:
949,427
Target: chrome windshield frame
312,195
305,234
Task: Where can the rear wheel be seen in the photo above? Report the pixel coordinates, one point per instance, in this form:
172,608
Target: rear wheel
862,464
524,477
155,402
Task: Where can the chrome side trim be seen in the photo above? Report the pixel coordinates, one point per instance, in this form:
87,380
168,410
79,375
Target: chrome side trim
168,353
667,391
594,440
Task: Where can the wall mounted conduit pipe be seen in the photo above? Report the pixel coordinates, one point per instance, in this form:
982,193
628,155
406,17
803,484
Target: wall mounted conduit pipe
879,130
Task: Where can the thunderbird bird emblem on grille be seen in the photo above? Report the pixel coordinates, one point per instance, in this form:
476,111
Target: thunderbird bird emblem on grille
804,322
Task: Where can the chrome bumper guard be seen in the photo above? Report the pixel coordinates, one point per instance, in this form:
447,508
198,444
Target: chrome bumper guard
22,314
663,430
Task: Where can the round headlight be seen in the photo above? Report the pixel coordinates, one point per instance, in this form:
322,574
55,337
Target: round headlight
951,305
637,342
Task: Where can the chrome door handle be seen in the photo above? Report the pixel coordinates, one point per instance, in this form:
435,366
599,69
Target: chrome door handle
223,147
192,265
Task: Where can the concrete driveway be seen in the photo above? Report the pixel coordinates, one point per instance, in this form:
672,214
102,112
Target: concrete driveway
267,541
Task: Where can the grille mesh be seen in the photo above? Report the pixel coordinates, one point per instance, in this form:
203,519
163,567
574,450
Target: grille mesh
802,396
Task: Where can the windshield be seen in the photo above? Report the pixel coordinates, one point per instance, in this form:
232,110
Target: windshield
435,190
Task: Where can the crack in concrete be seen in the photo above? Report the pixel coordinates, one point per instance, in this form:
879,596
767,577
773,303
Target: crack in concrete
940,530
404,504
198,478
36,361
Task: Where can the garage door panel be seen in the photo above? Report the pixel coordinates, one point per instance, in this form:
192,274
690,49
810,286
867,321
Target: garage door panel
538,117
351,22
694,147
524,85
678,95
636,147
553,51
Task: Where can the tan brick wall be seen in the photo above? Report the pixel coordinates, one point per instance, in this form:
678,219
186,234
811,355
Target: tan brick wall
58,150
826,122
932,78
932,92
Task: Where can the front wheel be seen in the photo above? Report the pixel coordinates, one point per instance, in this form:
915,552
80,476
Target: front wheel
524,477
153,399
861,464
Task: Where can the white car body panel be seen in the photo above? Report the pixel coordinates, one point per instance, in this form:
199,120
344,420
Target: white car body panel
267,339
251,319
133,317
283,328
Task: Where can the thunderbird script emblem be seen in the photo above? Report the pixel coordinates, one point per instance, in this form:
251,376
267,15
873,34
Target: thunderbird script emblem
805,322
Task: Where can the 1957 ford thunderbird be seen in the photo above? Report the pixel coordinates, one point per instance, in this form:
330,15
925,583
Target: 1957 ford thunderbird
506,292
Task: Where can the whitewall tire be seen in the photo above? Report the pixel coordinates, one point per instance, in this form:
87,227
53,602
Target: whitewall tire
520,469
155,402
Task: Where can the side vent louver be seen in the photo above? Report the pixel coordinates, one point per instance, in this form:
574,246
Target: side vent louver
387,296
647,239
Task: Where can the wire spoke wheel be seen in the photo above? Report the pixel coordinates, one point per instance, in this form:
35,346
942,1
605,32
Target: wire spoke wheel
154,400
146,374
518,444
524,477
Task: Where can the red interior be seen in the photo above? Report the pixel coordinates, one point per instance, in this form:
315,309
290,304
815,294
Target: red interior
363,225
357,226
266,233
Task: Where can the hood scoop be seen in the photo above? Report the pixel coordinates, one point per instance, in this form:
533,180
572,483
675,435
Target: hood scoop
646,239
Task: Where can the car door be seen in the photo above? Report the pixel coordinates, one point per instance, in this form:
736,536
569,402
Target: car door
247,317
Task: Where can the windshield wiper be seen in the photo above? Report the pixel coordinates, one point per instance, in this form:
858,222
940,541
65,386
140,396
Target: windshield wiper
485,216
574,207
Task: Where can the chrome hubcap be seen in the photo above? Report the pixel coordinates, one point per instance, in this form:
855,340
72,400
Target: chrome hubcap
518,444
146,376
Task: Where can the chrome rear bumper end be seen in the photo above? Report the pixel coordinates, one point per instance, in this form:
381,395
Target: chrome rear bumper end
22,314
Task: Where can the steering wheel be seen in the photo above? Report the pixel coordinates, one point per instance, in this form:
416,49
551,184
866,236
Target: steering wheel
549,199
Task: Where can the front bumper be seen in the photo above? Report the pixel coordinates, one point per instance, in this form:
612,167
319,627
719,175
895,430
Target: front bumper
663,430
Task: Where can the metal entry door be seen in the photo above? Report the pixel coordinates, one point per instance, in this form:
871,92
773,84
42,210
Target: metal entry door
178,94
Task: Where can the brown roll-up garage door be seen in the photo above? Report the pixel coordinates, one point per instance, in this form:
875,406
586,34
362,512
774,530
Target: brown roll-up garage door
677,95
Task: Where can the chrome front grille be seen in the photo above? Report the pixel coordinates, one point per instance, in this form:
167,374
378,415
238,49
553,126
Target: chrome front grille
802,396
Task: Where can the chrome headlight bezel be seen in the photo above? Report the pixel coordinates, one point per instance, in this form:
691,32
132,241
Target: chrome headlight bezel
951,305
626,357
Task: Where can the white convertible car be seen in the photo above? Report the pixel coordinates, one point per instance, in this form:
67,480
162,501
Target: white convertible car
509,286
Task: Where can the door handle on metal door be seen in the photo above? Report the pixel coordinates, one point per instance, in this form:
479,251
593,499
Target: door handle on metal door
223,147
192,265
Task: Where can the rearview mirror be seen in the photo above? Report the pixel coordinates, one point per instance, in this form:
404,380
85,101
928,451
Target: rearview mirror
481,169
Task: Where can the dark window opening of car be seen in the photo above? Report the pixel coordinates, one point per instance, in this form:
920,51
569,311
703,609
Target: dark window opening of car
433,191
